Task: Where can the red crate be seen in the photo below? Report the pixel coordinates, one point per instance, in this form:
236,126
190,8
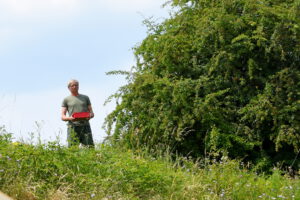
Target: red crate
81,115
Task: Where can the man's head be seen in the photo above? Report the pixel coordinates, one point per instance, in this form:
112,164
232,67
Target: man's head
73,86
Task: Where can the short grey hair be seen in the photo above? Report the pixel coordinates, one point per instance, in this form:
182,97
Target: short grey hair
72,81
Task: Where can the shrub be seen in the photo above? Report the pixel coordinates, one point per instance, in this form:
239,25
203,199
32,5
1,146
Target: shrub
217,76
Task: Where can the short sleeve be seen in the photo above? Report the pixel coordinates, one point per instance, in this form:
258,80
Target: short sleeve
88,101
64,103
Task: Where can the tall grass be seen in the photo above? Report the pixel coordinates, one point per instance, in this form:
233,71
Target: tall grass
51,171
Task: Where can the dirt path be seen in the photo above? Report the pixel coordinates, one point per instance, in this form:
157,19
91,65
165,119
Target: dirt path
4,196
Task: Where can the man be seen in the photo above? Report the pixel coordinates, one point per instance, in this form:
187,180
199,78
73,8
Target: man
79,131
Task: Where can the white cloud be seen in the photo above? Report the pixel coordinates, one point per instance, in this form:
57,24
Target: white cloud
5,34
123,6
21,111
50,9
22,20
41,8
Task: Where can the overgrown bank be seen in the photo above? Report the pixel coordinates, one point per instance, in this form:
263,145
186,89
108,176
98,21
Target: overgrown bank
55,172
217,76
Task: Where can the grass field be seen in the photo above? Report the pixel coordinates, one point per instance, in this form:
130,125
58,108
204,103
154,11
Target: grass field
54,172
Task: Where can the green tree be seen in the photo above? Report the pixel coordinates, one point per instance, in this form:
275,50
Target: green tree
218,76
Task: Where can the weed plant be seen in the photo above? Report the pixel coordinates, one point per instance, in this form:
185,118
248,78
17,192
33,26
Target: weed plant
51,171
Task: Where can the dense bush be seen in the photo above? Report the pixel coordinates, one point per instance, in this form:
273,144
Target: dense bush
217,77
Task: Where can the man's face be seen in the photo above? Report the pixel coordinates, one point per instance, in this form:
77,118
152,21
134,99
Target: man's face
73,87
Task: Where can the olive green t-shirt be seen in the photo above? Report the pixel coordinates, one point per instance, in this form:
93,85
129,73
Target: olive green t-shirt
76,104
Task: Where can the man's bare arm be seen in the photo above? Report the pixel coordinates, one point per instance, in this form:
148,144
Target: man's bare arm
64,116
91,111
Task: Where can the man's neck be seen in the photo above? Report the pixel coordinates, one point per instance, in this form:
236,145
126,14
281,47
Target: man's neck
75,94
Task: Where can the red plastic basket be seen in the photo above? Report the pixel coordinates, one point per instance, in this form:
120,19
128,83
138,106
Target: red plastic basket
81,115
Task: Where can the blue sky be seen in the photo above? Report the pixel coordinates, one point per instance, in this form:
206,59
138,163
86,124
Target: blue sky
44,44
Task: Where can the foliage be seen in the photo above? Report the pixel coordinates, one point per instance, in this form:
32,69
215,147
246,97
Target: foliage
217,77
51,171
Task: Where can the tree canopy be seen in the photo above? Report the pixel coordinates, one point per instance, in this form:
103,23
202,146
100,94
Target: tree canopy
217,77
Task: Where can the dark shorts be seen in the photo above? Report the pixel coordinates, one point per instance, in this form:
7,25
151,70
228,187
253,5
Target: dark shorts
80,135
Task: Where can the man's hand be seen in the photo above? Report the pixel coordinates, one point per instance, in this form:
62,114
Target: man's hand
91,115
91,111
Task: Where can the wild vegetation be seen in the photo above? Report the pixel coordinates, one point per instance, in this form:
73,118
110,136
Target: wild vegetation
210,111
54,172
218,78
